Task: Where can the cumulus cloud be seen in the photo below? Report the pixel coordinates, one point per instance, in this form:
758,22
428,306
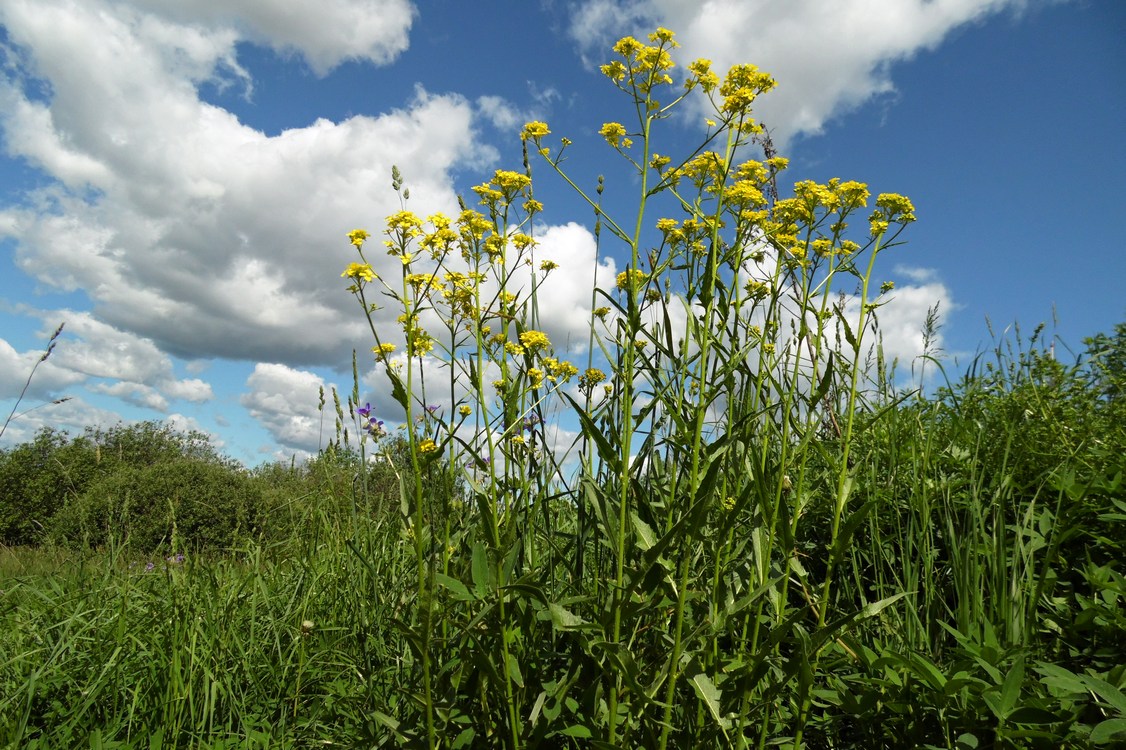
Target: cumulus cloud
325,33
142,374
73,415
285,401
828,58
16,367
183,225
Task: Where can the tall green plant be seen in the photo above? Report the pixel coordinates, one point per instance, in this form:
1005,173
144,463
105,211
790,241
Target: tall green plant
735,346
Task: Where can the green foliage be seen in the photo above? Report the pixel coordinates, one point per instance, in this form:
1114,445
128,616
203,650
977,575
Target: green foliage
44,478
39,478
179,504
758,541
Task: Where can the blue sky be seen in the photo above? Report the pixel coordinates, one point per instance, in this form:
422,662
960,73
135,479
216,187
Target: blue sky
176,184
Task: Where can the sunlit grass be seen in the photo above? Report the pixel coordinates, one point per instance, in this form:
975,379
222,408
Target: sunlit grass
758,540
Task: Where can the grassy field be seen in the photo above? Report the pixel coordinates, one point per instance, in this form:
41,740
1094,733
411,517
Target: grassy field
761,538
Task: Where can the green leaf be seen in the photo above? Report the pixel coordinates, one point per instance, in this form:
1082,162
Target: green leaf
851,524
455,587
709,694
605,451
397,391
578,731
514,671
849,336
464,740
646,539
826,382
1055,676
1111,730
1109,693
480,570
966,742
1010,689
564,619
1033,715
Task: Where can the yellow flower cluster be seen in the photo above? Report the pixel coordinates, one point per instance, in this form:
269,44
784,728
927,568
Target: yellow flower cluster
631,280
533,341
592,377
614,133
427,446
557,370
357,237
645,66
359,272
534,130
702,76
741,86
890,207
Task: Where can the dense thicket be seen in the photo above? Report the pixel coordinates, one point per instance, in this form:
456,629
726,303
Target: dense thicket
150,488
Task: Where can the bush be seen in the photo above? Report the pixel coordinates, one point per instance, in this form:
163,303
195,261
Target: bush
183,503
37,478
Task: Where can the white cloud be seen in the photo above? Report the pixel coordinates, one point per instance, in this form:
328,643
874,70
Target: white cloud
828,57
285,401
48,381
502,113
324,32
183,225
73,415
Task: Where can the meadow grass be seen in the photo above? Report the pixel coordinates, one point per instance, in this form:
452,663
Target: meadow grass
758,538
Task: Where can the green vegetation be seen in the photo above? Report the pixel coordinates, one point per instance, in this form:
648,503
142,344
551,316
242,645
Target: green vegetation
758,541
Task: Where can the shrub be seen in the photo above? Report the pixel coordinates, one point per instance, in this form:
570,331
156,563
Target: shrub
183,503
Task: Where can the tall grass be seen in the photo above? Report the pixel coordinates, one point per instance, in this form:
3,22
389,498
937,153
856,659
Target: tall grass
755,541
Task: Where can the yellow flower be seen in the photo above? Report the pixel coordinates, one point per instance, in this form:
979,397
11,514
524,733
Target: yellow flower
535,377
615,71
757,289
823,247
404,222
627,47
357,237
383,349
614,133
360,272
741,86
896,207
631,280
465,410
592,377
703,76
523,241
533,341
548,265
427,446
533,130
510,182
513,348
